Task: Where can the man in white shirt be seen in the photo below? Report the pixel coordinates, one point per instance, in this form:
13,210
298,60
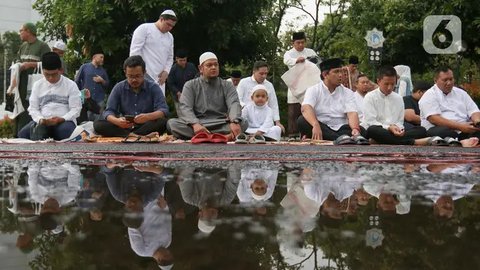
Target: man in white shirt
448,111
384,113
154,42
298,54
259,76
54,103
329,110
363,86
235,77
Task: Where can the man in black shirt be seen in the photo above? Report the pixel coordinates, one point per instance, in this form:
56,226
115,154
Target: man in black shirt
412,110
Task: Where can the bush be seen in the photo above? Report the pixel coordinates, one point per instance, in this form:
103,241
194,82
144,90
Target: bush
6,127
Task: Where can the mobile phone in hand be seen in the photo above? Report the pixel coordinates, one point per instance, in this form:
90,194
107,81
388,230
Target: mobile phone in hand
130,118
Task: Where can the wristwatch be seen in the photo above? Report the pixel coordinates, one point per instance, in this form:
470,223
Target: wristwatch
236,121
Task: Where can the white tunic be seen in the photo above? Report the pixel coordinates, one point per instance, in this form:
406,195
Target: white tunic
381,110
359,103
155,231
290,59
330,108
457,106
260,118
244,94
155,47
61,99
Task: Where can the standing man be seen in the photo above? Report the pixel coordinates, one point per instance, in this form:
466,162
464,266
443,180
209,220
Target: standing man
136,106
259,76
350,73
59,48
329,109
154,43
448,111
208,104
29,55
181,72
298,54
93,77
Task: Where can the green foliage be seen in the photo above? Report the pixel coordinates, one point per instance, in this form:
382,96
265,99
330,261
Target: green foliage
6,128
234,30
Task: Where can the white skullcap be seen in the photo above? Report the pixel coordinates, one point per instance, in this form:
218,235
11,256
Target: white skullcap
403,206
258,87
166,267
60,45
206,56
256,197
169,12
205,227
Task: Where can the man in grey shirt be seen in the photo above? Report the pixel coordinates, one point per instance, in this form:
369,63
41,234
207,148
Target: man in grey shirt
208,104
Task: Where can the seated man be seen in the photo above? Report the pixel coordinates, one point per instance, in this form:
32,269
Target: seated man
384,113
136,105
329,109
208,104
412,111
54,103
180,72
363,86
235,77
448,111
259,77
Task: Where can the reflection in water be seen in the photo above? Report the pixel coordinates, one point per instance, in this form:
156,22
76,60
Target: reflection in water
257,216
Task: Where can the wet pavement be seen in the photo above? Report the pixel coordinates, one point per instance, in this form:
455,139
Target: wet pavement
117,206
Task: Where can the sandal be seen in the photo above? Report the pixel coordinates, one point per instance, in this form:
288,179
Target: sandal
344,140
241,138
218,138
131,138
258,139
453,142
201,137
436,141
360,140
149,138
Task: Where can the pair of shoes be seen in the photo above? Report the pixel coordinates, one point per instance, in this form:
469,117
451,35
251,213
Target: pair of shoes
257,139
241,138
344,140
360,140
204,137
131,138
436,141
453,142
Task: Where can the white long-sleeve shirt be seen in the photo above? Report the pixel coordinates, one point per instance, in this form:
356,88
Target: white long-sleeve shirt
290,59
60,99
155,47
381,110
258,117
155,231
244,88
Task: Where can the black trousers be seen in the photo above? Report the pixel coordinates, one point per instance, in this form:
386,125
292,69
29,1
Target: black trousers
107,129
383,136
448,132
327,133
294,111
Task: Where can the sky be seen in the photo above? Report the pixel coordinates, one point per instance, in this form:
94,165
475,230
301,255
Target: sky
292,16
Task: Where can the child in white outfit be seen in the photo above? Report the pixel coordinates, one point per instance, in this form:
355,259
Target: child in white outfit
260,116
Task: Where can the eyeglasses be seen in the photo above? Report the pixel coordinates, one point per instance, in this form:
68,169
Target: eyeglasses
134,77
51,75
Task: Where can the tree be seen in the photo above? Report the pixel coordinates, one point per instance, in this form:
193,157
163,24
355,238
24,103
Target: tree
234,30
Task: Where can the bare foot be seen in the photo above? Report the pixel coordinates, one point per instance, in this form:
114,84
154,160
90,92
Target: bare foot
470,142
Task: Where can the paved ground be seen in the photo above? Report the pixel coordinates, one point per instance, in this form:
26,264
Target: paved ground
232,152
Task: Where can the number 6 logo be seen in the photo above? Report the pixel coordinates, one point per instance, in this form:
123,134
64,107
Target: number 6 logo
442,34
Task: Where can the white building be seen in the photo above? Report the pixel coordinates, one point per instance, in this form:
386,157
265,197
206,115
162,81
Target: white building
14,13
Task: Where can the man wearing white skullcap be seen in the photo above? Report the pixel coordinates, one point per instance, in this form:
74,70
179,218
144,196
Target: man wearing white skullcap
208,104
59,48
154,42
